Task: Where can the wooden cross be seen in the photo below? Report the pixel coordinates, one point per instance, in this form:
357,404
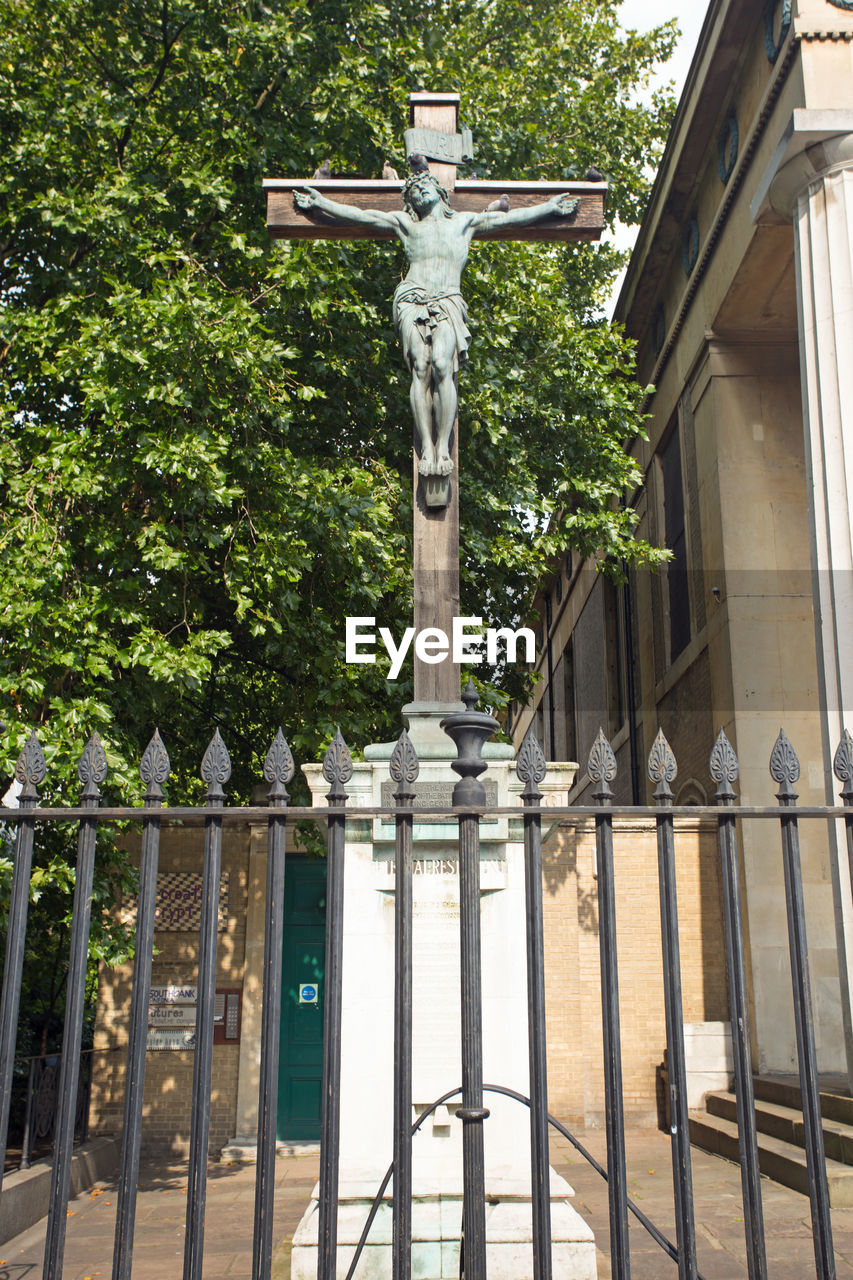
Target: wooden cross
436,528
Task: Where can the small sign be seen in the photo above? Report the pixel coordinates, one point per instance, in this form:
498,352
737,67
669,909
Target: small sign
170,1038
451,148
172,994
178,908
308,993
172,1015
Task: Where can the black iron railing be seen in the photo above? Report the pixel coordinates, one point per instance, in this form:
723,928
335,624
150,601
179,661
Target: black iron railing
469,730
41,1108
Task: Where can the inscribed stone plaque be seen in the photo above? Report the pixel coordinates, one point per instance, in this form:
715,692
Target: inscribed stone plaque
435,795
435,994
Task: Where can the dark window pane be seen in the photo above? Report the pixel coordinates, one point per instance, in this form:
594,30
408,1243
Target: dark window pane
673,500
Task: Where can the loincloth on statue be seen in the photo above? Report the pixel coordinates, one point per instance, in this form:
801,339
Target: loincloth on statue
421,310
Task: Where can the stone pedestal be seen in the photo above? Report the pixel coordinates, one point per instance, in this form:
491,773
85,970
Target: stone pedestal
367,1031
436,1221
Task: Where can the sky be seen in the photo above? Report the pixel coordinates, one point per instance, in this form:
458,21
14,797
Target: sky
641,15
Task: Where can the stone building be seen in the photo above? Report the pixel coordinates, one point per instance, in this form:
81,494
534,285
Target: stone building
739,295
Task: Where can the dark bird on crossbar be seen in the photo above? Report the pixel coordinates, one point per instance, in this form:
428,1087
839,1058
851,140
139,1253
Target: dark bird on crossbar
323,171
501,205
593,175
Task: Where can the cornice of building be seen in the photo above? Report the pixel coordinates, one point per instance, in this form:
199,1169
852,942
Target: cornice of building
683,131
725,31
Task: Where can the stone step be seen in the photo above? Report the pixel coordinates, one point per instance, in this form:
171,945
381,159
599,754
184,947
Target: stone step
781,1161
784,1093
786,1123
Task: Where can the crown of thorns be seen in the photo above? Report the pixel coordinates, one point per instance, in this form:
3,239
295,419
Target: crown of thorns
414,178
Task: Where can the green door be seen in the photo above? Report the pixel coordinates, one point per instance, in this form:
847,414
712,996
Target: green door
301,1055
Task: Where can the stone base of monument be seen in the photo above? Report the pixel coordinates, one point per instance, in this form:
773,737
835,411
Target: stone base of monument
367,1031
436,1222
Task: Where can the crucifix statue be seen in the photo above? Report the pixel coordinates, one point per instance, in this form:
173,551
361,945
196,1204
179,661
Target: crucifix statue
438,219
430,314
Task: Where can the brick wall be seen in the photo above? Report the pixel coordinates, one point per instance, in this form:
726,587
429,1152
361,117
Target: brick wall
168,1073
573,999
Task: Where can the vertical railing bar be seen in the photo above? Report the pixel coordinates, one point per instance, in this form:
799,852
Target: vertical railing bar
470,729
404,770
843,769
337,770
785,769
724,770
153,769
278,771
215,770
30,770
91,770
662,770
84,1128
531,769
472,1113
602,770
27,1143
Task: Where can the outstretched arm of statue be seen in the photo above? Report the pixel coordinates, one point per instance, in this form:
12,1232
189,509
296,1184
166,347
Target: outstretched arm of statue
311,199
562,206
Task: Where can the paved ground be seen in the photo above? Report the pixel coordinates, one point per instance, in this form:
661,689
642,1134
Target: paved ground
228,1239
160,1212
719,1214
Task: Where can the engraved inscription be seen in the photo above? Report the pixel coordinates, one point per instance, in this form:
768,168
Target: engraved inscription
435,795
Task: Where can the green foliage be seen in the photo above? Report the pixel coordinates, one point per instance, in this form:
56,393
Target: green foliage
205,436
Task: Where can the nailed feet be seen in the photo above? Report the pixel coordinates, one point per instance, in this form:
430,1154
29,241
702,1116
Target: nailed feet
442,465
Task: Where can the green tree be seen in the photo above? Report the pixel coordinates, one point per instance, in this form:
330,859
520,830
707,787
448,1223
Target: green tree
201,476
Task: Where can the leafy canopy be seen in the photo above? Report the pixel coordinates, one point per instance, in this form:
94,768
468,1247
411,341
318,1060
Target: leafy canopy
205,436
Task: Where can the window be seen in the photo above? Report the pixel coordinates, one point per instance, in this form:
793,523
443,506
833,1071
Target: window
614,659
539,726
690,244
675,536
571,732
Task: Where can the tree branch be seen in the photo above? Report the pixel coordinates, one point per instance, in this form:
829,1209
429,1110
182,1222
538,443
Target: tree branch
270,91
168,46
107,71
168,42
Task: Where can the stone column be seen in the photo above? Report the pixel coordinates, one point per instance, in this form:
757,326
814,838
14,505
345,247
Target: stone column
815,188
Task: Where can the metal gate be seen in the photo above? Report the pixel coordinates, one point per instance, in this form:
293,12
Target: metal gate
469,730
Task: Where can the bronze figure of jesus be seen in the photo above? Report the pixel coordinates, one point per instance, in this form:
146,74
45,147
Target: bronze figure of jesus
430,315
